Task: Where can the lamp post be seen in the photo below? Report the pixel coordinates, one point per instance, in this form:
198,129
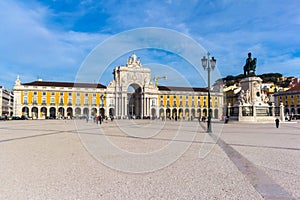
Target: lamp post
208,64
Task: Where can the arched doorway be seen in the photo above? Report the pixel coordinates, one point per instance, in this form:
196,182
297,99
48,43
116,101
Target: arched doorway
193,113
77,112
52,113
34,112
161,113
174,113
187,113
180,112
70,112
94,111
205,112
287,111
199,113
86,111
216,114
25,111
111,112
168,113
102,112
43,112
153,113
293,111
134,97
61,112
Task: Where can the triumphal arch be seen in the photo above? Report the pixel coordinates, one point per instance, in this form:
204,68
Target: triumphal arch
132,92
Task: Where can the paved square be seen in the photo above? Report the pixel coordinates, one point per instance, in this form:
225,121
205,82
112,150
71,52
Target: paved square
62,159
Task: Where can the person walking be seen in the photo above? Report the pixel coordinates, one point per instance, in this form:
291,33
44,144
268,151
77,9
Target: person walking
277,122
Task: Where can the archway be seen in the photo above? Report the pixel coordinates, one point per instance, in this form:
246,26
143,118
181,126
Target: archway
193,113
43,112
174,113
52,113
161,113
134,97
102,112
153,113
199,113
94,111
77,112
61,112
35,112
216,113
111,112
293,111
86,111
287,111
70,112
168,113
205,112
180,112
25,111
187,113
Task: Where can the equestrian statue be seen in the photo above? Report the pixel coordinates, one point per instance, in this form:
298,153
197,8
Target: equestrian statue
250,66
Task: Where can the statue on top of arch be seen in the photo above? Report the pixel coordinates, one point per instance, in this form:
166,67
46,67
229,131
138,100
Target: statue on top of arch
250,66
133,61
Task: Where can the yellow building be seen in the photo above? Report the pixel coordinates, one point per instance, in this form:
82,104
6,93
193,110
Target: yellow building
130,94
290,100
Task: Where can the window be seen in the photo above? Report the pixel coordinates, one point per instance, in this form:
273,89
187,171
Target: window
153,103
94,101
34,93
86,94
25,100
86,101
161,102
44,100
70,94
78,101
174,102
44,93
52,93
69,100
94,95
78,94
61,94
34,100
52,100
25,93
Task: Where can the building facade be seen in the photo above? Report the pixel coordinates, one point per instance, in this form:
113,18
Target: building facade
130,94
290,100
6,102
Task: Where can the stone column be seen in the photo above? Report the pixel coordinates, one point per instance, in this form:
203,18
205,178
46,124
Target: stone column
273,109
240,116
228,109
281,112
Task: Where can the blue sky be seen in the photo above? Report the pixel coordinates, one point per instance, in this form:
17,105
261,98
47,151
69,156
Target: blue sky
50,39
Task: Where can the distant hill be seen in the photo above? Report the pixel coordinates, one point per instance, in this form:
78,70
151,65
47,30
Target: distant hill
275,78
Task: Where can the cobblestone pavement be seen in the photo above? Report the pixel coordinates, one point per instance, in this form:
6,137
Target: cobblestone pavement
65,159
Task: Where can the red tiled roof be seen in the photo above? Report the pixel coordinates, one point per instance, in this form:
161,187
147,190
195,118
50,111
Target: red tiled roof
65,84
186,89
295,88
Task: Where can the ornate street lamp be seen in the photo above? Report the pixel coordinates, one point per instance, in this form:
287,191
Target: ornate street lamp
208,64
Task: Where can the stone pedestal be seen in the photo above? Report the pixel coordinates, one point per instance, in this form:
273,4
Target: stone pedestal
252,103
